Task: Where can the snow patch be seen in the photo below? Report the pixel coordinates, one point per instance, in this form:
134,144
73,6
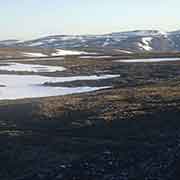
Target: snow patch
94,57
147,40
61,52
28,54
148,60
18,67
36,44
123,51
145,44
106,42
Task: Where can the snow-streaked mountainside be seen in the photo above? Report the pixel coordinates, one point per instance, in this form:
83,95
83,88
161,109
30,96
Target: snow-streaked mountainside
130,41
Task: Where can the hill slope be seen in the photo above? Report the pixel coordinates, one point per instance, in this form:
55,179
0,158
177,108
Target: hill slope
135,41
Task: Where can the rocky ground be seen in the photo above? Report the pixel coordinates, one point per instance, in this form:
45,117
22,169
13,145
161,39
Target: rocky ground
129,131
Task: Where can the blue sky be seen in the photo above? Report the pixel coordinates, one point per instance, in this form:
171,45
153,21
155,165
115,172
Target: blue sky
26,19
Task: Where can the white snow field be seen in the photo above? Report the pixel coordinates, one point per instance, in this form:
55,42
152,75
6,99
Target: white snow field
28,54
18,67
94,57
32,86
61,52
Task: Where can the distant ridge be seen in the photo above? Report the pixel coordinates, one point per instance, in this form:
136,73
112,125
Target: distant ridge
135,41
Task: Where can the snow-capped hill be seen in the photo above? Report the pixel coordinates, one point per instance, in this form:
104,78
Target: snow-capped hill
133,41
140,33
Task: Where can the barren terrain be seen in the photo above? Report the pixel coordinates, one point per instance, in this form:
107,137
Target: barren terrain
130,130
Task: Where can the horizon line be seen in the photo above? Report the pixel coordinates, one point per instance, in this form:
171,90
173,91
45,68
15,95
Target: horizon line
87,34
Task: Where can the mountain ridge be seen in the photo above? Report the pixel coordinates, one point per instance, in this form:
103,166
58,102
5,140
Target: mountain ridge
135,41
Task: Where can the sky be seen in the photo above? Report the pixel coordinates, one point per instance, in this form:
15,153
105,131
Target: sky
28,19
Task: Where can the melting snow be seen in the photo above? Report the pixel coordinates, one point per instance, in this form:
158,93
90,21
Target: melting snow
94,57
33,86
34,59
21,86
106,42
123,51
36,44
30,67
60,52
145,44
147,40
28,54
148,60
145,47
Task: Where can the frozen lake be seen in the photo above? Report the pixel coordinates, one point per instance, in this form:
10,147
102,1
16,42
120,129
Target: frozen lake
31,86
